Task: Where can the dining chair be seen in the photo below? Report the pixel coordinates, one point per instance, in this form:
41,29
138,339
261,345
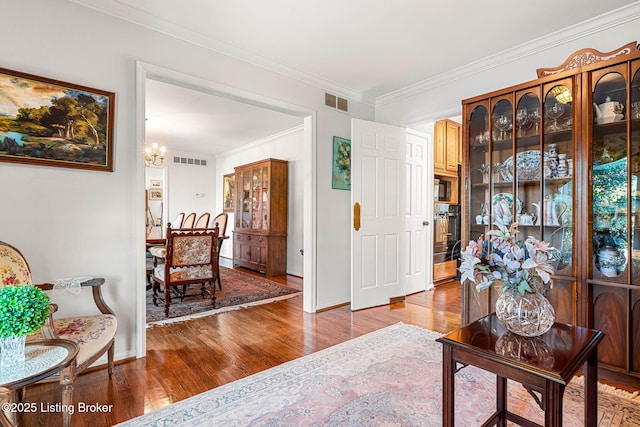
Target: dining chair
94,333
221,222
192,257
189,220
203,220
177,223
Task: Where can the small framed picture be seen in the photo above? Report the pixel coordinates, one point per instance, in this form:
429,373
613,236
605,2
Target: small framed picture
155,184
155,194
341,167
228,192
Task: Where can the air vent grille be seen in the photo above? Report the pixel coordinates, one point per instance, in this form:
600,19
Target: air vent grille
336,102
189,161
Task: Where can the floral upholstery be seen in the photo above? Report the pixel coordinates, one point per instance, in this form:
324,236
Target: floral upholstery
158,251
91,333
203,272
189,250
13,267
94,334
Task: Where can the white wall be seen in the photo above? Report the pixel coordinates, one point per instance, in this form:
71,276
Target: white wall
191,187
71,222
288,146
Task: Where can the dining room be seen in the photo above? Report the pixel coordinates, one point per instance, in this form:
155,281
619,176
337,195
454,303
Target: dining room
195,142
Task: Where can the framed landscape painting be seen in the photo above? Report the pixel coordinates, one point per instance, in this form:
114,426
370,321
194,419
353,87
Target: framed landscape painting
52,123
341,169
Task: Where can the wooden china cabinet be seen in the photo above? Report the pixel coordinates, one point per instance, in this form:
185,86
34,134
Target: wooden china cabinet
260,232
561,156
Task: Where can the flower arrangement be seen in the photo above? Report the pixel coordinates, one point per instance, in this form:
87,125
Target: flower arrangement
343,157
524,266
23,310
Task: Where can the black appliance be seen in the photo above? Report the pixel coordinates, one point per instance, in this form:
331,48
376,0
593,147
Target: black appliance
447,229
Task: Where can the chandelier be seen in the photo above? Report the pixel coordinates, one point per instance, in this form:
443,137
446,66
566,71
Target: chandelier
152,157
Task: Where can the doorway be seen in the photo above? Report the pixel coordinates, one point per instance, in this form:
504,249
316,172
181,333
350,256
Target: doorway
146,72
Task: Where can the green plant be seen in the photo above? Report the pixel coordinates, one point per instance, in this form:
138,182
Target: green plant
521,265
23,310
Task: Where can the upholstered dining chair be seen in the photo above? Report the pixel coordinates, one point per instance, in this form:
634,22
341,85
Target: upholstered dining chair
221,221
94,333
203,220
189,221
192,258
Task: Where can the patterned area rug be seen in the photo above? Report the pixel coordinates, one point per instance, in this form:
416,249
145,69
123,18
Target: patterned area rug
238,290
391,377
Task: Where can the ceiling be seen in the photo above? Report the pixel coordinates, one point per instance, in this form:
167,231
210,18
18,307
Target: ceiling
360,49
187,120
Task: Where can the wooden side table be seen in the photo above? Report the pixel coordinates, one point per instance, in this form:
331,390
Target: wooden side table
43,358
559,354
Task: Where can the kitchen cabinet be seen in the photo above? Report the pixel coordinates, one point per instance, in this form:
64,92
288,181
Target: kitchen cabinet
561,156
446,147
260,232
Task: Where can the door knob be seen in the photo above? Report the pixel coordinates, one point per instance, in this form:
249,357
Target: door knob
425,222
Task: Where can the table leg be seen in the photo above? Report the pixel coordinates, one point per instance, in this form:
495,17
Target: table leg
66,381
7,418
501,400
590,371
553,395
448,382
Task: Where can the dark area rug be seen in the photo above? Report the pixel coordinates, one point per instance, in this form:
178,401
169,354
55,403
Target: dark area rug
238,290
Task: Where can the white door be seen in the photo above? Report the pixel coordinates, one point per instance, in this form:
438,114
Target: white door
419,213
378,213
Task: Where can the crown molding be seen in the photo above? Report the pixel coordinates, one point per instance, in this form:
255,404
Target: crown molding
141,18
591,26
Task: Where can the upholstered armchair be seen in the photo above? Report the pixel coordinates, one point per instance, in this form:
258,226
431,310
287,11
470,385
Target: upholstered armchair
94,334
191,258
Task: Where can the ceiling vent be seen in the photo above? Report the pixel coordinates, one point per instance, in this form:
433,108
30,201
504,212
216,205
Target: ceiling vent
188,161
336,102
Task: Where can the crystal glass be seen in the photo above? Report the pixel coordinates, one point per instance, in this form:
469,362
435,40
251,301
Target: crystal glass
12,350
554,111
523,120
529,315
503,123
535,119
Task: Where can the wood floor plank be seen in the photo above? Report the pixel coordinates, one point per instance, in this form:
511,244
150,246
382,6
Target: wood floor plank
184,359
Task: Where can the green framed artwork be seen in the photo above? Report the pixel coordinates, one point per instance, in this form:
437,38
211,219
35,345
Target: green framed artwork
52,123
341,168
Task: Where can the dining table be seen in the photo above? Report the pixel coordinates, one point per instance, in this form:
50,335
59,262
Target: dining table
156,235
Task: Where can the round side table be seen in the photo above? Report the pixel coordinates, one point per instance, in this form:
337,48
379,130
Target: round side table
43,358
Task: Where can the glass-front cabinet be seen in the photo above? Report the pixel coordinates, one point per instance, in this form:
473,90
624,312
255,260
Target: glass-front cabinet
560,155
260,232
520,157
614,162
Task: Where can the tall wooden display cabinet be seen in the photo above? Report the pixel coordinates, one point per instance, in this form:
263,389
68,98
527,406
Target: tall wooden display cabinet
562,154
260,232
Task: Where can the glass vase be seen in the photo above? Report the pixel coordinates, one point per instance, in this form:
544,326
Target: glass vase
12,350
529,315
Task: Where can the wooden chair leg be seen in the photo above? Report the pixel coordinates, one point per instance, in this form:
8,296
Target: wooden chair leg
110,354
167,300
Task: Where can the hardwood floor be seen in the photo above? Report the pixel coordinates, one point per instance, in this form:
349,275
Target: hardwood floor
188,358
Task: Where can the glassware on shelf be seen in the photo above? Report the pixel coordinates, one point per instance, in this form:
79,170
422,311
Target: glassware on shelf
534,115
503,123
484,170
523,119
554,111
